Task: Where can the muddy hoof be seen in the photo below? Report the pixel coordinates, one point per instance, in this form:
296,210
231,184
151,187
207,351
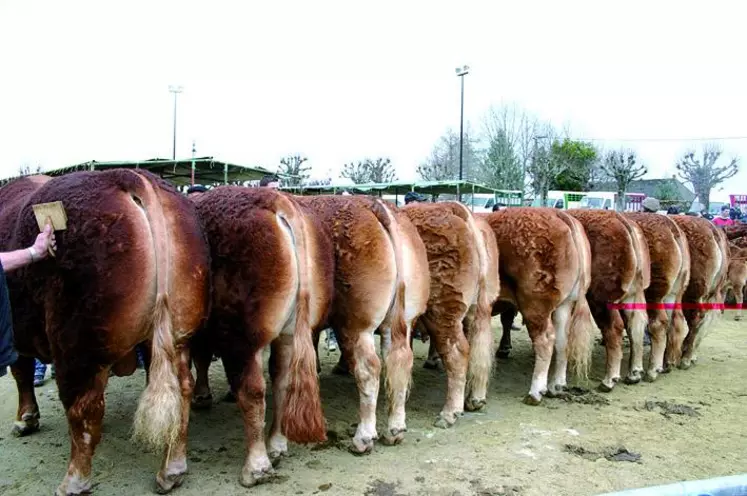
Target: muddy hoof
28,424
501,353
685,364
445,420
164,486
605,388
276,456
531,400
229,398
255,478
632,379
651,376
202,402
557,392
394,437
737,318
474,405
360,447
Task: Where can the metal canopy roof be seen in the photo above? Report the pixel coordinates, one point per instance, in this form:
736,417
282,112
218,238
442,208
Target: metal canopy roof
207,170
402,187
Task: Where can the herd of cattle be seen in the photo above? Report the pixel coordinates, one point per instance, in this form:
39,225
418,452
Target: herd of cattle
234,270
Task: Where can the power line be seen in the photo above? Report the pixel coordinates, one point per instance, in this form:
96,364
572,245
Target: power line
717,138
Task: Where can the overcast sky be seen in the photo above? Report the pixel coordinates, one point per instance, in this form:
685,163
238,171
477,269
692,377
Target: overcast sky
341,81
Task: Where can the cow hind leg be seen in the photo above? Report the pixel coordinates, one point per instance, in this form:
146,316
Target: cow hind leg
367,370
507,321
677,333
480,337
542,334
27,417
694,321
561,320
202,356
453,348
657,328
611,323
280,361
398,359
434,361
636,327
174,466
83,398
251,400
739,297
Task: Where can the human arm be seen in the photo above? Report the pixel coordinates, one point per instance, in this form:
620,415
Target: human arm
12,260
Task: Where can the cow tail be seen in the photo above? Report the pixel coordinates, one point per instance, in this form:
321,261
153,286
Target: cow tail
303,418
398,361
581,330
158,418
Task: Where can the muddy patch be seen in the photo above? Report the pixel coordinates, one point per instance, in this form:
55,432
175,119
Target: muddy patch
611,453
506,490
668,409
382,488
583,396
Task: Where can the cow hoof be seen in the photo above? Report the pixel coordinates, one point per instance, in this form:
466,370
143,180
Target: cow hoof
557,392
165,485
276,456
503,353
633,378
685,364
737,318
651,376
435,364
257,477
445,420
229,398
474,405
532,400
361,447
202,401
606,388
340,370
394,437
28,424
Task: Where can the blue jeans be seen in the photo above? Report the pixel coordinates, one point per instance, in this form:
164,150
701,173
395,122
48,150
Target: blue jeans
8,355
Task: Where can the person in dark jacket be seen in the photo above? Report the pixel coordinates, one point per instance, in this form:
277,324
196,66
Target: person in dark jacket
10,261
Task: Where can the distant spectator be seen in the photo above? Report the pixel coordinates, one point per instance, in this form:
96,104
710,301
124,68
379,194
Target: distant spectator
499,206
412,196
270,181
196,190
650,204
673,210
724,219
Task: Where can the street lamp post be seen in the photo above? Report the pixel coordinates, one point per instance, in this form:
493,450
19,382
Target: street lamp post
175,90
461,72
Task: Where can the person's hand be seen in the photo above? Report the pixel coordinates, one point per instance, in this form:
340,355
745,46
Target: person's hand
44,240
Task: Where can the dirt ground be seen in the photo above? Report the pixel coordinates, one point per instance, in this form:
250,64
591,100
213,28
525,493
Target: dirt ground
687,425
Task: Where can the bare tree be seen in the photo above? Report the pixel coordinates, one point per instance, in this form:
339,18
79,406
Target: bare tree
544,165
621,167
443,163
293,165
703,173
356,172
380,170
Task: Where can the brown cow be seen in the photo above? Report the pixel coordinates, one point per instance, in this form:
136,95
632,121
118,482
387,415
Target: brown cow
545,267
620,273
736,231
131,267
670,275
381,282
709,263
272,285
464,283
740,242
737,277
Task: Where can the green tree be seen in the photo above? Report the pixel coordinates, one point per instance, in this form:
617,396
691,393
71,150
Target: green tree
293,165
622,167
578,159
501,167
703,173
